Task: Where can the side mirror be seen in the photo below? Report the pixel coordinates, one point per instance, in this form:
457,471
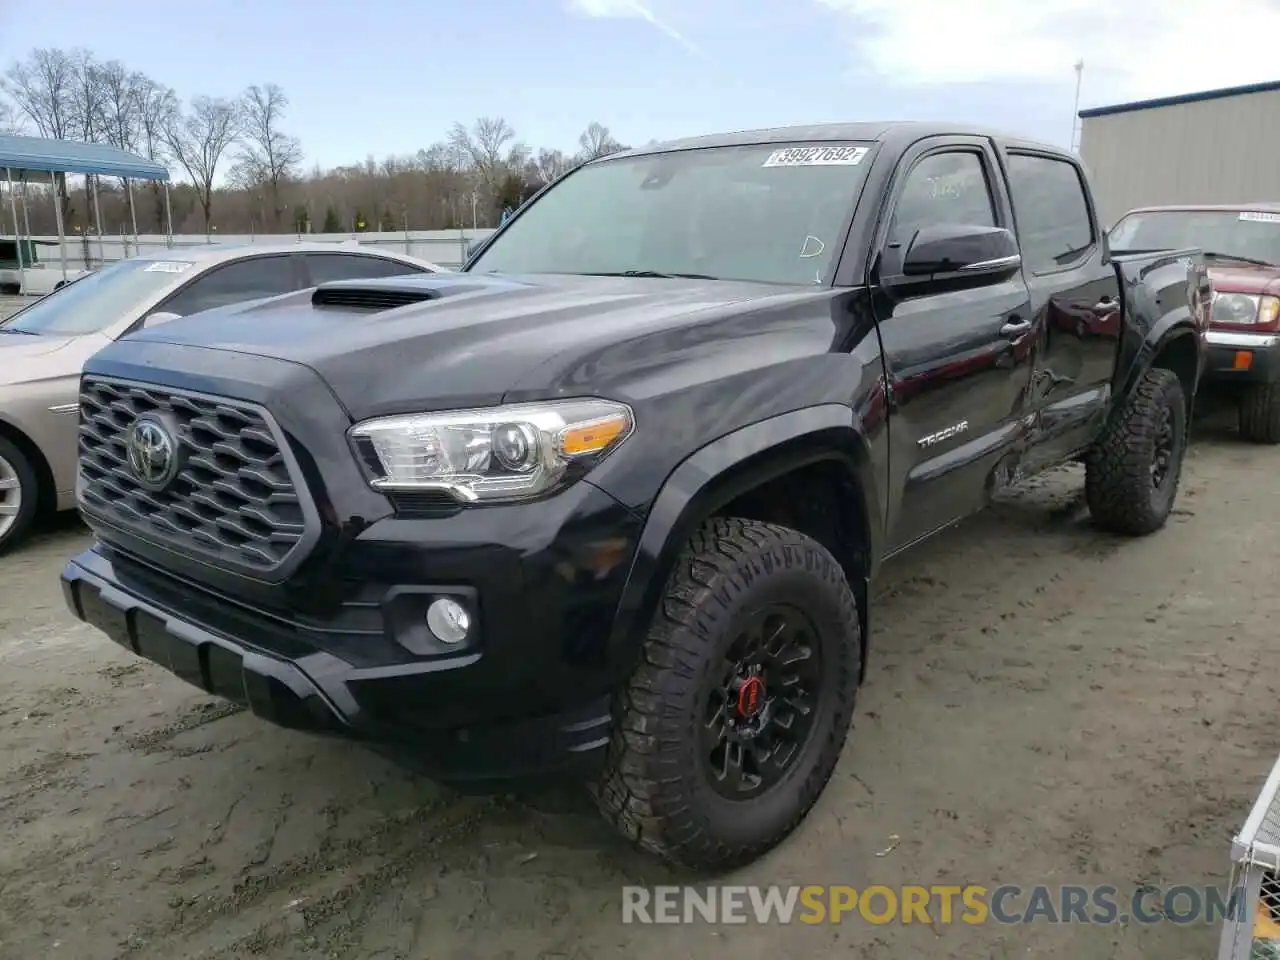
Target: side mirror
159,317
963,250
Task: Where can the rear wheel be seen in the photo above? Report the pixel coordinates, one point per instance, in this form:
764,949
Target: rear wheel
18,484
1260,413
1132,473
732,724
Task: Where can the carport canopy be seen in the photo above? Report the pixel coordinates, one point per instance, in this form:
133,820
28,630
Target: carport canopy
29,154
22,156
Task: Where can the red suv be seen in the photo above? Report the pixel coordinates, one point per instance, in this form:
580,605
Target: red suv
1241,244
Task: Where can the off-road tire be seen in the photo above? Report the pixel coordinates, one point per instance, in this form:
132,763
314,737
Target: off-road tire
1118,482
30,489
1260,413
654,787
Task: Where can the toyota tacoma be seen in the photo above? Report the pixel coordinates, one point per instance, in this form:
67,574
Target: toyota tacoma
606,504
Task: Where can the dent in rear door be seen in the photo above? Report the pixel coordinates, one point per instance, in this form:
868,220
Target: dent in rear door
1075,297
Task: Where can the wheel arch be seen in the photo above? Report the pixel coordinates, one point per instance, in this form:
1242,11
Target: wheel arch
46,493
1174,345
748,473
1180,353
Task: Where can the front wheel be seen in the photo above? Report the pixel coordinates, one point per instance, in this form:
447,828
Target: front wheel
1260,413
17,494
732,724
1132,473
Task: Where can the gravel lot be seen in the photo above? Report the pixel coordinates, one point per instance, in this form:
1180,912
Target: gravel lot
1045,705
10,305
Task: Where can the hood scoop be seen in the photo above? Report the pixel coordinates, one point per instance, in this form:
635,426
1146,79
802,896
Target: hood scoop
369,297
388,293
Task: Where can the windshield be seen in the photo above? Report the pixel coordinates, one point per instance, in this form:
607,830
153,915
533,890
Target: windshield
768,212
1234,233
97,299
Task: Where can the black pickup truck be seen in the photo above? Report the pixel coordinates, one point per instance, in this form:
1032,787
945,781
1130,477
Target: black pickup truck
606,503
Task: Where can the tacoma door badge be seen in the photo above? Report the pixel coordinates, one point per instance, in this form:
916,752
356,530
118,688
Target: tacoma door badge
952,431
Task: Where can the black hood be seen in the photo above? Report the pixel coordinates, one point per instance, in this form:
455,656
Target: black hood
480,339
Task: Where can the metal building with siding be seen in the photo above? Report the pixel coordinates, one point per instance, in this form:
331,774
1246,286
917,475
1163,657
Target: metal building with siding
1219,146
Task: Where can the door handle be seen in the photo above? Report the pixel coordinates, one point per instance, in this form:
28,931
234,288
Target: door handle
1106,305
1015,327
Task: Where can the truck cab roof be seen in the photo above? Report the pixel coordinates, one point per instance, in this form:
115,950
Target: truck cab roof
897,134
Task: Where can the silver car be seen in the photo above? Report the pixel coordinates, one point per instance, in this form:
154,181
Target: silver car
44,346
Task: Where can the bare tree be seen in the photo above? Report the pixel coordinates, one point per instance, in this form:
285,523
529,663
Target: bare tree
199,140
550,165
269,156
490,150
10,119
41,86
120,107
597,141
157,110
87,117
87,97
471,176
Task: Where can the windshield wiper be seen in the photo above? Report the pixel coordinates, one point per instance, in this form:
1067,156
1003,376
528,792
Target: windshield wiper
653,273
1215,255
26,333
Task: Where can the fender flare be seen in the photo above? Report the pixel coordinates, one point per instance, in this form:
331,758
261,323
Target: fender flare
718,472
1174,327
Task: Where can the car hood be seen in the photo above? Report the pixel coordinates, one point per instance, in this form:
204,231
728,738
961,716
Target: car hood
25,358
1245,278
482,339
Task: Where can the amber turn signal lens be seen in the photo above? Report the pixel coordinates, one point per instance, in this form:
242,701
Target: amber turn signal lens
1243,360
593,437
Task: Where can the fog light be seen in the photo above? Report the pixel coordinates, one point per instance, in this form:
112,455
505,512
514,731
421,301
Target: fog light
448,620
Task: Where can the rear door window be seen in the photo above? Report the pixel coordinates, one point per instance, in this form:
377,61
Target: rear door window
1052,212
324,267
236,282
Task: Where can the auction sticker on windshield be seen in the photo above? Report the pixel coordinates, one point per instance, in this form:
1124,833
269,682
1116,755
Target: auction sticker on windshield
1260,217
817,157
169,266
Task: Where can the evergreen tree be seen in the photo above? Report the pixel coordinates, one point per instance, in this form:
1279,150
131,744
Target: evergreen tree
331,222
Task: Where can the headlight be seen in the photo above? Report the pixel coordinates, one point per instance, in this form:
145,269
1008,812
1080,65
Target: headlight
1245,309
498,453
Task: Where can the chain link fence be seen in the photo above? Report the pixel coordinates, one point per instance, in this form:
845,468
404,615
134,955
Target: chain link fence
447,248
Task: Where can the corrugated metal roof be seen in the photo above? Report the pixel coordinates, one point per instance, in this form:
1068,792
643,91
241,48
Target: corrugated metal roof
71,156
1203,95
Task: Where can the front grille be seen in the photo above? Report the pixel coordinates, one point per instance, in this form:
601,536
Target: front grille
233,502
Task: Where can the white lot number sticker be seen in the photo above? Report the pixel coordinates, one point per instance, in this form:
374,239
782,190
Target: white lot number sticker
168,266
817,157
1259,217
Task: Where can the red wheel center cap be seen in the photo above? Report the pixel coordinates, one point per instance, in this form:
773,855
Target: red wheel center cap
750,697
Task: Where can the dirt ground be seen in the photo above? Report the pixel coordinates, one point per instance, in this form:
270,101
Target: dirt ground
1045,705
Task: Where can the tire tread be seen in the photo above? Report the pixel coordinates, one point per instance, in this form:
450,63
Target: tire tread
1117,484
642,790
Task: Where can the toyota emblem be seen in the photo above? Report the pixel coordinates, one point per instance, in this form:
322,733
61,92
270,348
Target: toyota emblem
153,452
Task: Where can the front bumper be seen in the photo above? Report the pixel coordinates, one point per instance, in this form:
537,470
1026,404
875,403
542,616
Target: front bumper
1242,357
527,694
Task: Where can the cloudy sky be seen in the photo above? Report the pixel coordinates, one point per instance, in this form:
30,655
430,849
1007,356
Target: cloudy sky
379,77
